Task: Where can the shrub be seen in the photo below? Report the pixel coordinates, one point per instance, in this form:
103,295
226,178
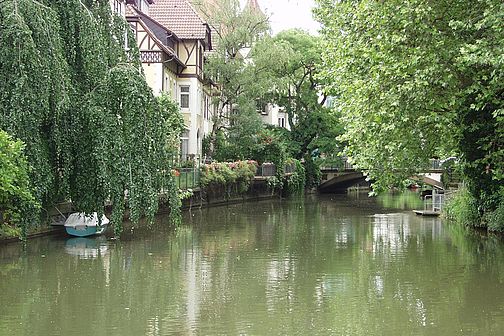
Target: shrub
463,209
17,203
312,172
228,173
495,219
295,181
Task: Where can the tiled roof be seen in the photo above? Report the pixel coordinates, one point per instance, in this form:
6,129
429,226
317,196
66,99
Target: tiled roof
180,17
130,11
147,23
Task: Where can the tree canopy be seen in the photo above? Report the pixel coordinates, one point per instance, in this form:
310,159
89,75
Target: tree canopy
234,30
288,65
78,100
418,79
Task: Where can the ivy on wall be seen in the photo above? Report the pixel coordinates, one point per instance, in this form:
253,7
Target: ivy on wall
94,132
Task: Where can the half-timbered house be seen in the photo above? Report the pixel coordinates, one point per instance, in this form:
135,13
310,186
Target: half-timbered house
172,39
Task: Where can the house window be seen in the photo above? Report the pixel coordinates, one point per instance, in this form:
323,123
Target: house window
281,122
184,96
184,145
207,107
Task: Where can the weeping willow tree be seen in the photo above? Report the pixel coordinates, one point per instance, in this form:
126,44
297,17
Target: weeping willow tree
70,91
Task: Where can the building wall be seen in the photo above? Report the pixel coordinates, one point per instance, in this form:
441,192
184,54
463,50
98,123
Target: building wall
191,113
188,52
170,83
154,76
273,115
169,77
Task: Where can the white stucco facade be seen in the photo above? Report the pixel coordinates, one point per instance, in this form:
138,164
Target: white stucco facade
274,115
197,115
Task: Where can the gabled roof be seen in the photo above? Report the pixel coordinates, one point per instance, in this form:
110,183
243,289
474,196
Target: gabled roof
151,27
134,2
180,17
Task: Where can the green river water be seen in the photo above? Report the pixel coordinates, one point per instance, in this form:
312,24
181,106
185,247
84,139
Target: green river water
320,265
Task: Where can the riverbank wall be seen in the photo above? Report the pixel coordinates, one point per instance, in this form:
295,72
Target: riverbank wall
201,198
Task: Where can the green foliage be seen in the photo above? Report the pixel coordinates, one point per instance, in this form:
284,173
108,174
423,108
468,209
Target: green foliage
418,84
17,203
270,148
94,133
295,181
313,173
239,140
286,68
240,173
174,122
495,219
274,183
463,209
236,30
34,99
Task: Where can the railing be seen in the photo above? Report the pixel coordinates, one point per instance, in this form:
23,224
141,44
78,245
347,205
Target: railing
436,201
187,178
344,165
269,169
186,171
435,164
290,168
265,170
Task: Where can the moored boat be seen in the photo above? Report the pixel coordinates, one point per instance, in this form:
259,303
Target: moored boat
81,225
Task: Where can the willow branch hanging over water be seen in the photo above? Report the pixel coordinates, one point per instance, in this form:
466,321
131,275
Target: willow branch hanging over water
93,131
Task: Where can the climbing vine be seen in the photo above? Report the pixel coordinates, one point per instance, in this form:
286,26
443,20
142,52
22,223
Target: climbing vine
296,177
94,132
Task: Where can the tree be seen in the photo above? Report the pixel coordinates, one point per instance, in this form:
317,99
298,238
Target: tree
287,68
16,193
92,127
240,138
416,79
234,32
290,63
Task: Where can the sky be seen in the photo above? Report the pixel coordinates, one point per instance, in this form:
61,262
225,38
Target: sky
285,14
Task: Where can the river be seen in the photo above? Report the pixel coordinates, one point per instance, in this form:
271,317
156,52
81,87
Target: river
319,265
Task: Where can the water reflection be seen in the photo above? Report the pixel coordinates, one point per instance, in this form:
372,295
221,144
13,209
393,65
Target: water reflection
404,200
319,266
86,248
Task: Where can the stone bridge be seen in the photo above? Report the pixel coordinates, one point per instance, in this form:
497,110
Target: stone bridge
339,179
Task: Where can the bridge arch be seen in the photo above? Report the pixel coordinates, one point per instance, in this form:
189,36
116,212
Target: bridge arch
340,182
